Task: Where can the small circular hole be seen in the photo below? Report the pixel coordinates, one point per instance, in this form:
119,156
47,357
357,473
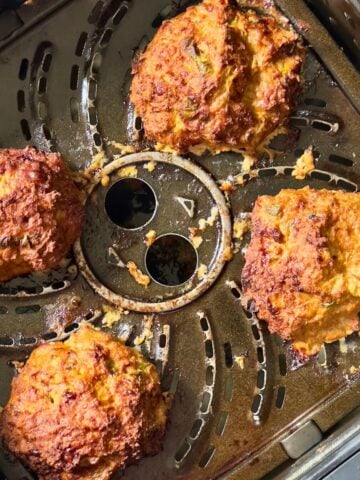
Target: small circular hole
171,260
130,203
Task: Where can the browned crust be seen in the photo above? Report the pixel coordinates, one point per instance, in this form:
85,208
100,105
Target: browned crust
219,77
302,268
84,408
40,210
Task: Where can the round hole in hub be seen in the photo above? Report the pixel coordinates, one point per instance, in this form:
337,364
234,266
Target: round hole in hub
130,203
171,260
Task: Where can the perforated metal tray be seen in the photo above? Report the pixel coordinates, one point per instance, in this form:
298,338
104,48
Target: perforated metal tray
65,74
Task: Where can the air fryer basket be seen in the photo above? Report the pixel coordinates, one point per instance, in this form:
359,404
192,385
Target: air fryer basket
242,403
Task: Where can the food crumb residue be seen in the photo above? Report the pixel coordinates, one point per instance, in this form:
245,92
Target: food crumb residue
304,164
247,163
227,186
194,237
17,364
240,227
240,360
228,254
130,171
146,334
150,238
112,315
354,369
137,274
203,223
122,147
202,271
150,166
105,180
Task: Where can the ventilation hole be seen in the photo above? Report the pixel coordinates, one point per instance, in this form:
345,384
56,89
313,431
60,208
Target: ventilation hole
316,102
21,100
3,310
207,457
53,149
89,315
319,125
228,355
221,424
228,390
97,139
25,310
57,285
256,405
138,123
205,403
204,324
195,429
142,45
46,132
74,77
162,341
24,65
120,14
74,110
96,63
255,332
71,328
171,260
95,12
280,398
42,110
260,381
46,64
92,89
320,176
161,16
282,365
350,187
209,351
27,341
298,122
248,314
81,44
260,354
25,129
209,376
341,160
288,171
174,382
92,116
236,293
49,336
182,452
267,172
6,341
131,203
42,83
106,37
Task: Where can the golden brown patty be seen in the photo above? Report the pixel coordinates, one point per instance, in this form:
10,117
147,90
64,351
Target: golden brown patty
40,210
84,408
302,267
217,77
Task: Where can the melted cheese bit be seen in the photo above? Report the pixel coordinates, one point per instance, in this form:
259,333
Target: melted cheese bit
112,315
304,164
202,271
130,171
240,227
150,238
137,275
150,166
